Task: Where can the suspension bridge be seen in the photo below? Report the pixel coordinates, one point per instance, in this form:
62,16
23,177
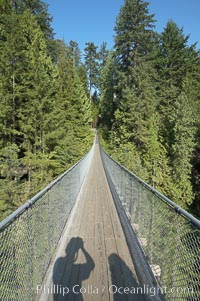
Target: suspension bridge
98,232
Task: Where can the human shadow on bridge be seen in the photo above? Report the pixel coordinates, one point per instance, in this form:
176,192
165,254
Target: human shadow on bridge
68,274
124,284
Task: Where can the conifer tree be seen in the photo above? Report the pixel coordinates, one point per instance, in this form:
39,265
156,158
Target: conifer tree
75,53
108,95
45,111
176,55
133,36
154,157
102,55
152,123
69,135
177,59
39,9
91,64
191,89
183,147
24,85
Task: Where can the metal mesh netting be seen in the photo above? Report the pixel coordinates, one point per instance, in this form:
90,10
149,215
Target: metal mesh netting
28,238
169,239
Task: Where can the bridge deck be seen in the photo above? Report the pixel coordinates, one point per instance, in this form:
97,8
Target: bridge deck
94,255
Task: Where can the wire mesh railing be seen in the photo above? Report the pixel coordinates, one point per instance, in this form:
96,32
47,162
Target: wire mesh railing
29,236
168,236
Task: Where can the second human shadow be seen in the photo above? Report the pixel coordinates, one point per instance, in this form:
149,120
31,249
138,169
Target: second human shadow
122,277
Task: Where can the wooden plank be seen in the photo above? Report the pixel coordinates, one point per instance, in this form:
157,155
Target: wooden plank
97,257
88,237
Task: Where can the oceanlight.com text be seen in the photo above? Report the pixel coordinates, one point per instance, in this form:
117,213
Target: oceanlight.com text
113,290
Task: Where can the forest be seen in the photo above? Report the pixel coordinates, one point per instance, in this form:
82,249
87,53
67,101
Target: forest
143,95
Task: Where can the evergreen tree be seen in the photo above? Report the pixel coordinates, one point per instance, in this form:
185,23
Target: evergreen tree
82,74
133,42
134,96
183,147
24,66
11,69
40,10
102,55
155,110
75,53
69,136
155,157
133,36
45,112
8,188
191,89
108,94
177,59
91,64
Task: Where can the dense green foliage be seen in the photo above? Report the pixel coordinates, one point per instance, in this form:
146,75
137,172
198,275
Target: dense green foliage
144,94
45,116
149,104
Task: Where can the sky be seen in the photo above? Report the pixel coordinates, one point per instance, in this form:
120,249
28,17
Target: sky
94,20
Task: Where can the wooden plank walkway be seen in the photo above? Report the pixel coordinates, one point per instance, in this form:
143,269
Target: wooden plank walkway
94,262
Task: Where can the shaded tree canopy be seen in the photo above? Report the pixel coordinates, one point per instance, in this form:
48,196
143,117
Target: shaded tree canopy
143,94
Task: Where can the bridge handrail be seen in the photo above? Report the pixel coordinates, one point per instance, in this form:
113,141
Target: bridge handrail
5,222
29,236
163,238
177,208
